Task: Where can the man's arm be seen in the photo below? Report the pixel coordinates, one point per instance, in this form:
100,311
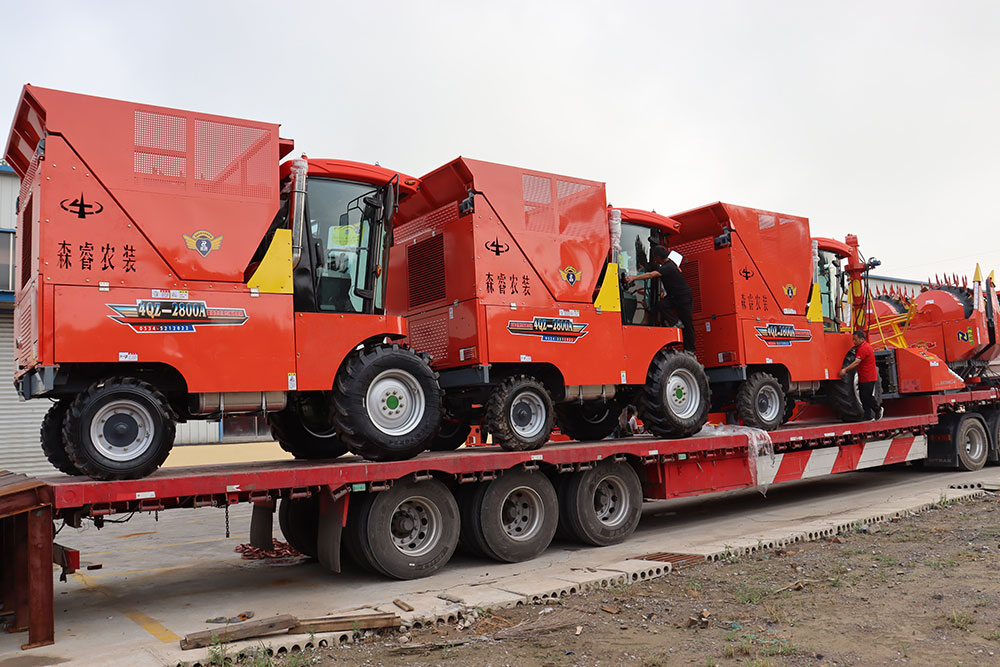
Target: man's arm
642,276
850,367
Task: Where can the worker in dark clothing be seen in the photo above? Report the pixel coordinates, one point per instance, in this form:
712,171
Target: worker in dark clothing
675,305
864,361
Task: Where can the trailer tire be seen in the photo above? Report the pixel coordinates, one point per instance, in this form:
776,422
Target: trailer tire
519,414
387,403
972,444
471,535
517,514
356,532
453,434
593,420
134,414
843,394
992,418
411,529
760,402
603,505
51,434
676,398
299,522
302,430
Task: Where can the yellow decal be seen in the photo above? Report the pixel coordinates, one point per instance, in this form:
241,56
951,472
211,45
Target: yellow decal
815,310
609,298
274,274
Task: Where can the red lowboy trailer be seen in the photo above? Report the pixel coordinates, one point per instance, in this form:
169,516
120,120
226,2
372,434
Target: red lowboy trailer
601,486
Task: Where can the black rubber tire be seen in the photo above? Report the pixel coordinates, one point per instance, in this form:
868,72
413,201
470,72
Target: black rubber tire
357,429
452,435
511,498
390,560
299,522
843,394
581,503
593,420
561,482
504,399
972,443
789,410
303,428
992,417
51,435
471,536
76,429
754,396
355,537
656,408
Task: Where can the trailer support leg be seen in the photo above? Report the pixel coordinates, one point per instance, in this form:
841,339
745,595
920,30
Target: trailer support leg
332,515
262,525
41,626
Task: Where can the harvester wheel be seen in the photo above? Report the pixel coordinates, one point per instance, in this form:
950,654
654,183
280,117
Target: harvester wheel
304,428
53,443
519,414
411,529
676,398
593,420
515,516
760,402
119,428
843,394
299,521
603,504
972,444
387,403
789,409
453,434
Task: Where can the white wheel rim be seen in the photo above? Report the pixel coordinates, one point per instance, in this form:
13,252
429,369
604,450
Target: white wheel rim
683,396
395,402
415,526
521,513
122,430
611,501
527,414
975,443
768,403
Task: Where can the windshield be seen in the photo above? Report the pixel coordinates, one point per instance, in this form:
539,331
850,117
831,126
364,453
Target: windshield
830,279
633,258
343,248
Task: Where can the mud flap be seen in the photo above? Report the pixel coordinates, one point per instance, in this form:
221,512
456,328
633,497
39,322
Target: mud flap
332,518
940,447
262,525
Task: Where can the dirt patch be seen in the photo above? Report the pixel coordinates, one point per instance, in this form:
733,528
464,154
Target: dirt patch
921,590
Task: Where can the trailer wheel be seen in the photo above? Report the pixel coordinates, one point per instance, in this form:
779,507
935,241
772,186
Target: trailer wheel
411,529
519,414
387,403
992,418
304,429
593,420
603,504
516,514
299,522
453,434
844,397
471,535
53,444
676,398
120,428
355,540
760,402
971,441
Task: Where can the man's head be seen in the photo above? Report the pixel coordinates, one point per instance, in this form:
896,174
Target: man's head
660,253
859,336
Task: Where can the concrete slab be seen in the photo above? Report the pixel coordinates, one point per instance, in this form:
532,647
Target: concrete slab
482,596
589,579
537,588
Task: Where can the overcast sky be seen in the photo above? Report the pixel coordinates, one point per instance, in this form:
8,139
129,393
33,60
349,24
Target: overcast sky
875,118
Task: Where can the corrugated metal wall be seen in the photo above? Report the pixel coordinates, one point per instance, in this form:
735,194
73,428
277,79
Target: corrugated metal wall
197,432
19,420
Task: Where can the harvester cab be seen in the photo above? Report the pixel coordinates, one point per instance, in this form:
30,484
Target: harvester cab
170,269
524,320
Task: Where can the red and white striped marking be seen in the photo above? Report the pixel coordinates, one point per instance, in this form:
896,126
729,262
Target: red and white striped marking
845,458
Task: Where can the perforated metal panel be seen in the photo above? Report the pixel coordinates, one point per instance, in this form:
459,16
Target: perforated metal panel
539,214
430,335
433,221
692,276
426,271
